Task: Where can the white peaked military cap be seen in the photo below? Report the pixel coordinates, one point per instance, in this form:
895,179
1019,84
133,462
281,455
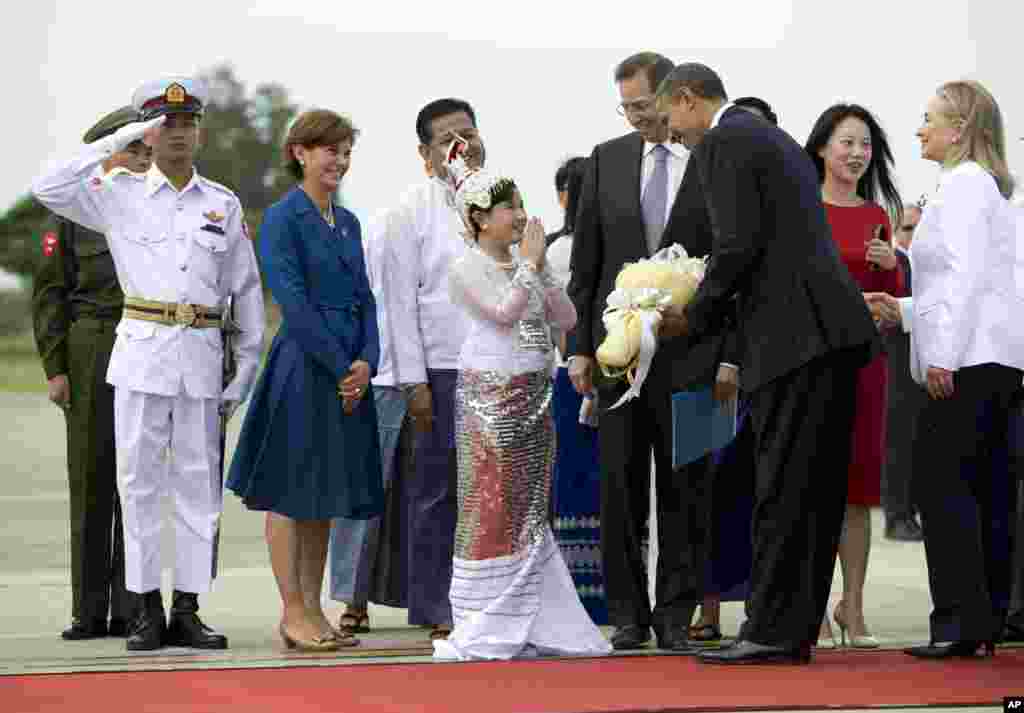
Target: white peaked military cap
170,95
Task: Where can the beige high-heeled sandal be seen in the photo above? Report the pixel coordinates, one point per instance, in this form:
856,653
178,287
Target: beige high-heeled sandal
865,641
317,643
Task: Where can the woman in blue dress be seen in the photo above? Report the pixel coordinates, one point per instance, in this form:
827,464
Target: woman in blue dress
308,451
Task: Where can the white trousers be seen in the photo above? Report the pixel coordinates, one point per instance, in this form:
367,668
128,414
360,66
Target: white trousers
146,427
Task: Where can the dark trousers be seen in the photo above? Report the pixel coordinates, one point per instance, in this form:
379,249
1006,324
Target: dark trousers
626,438
1016,616
801,425
432,506
97,538
967,498
906,399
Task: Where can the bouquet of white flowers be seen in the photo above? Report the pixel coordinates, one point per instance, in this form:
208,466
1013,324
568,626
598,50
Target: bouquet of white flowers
642,290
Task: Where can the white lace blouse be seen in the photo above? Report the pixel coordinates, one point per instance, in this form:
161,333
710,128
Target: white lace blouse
511,311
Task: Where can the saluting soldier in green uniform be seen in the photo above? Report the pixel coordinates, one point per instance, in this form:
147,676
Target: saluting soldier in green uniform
76,305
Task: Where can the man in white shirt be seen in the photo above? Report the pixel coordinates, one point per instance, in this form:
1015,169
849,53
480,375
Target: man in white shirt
368,557
420,238
181,250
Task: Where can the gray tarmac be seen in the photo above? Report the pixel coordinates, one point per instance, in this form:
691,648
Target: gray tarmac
35,584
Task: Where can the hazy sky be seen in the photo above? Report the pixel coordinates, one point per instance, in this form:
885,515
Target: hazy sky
539,74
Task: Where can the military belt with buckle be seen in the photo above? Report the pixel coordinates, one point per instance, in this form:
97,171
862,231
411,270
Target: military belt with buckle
180,314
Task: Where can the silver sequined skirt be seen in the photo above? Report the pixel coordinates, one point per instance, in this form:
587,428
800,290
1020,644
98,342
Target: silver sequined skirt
506,446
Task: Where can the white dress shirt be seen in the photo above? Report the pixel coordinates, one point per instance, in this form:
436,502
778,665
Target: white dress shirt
510,315
968,277
676,165
416,244
161,252
374,239
558,263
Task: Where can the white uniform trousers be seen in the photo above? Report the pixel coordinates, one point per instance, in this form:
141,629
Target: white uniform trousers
145,426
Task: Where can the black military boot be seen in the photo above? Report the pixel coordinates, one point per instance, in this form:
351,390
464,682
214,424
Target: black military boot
185,628
150,626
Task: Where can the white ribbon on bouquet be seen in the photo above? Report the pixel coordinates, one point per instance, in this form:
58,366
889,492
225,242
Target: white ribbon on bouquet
646,303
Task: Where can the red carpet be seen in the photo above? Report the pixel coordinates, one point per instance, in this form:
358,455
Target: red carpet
635,684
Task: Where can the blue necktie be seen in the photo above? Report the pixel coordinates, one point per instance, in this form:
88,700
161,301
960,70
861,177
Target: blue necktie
655,199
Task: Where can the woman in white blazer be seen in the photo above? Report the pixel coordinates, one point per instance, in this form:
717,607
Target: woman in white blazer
967,350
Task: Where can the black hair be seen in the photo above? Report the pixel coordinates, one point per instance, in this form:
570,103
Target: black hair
698,78
876,181
435,110
569,178
759,105
503,190
657,67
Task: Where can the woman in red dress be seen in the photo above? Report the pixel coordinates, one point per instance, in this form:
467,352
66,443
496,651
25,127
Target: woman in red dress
853,159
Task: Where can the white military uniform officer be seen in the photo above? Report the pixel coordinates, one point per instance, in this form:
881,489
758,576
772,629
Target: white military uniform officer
179,254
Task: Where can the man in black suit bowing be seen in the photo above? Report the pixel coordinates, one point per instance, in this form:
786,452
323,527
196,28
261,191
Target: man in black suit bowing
636,200
804,333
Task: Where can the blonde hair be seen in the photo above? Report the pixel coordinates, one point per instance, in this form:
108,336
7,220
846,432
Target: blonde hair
982,137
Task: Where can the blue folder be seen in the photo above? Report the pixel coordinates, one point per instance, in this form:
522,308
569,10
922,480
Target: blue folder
699,425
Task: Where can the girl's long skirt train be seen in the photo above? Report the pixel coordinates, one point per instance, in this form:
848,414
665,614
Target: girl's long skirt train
511,592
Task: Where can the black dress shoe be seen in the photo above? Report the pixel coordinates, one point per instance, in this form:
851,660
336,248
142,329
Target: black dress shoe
747,652
80,630
185,628
630,637
150,626
952,650
675,639
904,529
1013,634
118,627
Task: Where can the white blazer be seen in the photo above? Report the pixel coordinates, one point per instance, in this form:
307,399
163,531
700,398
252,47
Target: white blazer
968,264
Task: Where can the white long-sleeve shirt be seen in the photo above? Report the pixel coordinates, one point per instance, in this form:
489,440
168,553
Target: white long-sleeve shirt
374,237
187,246
511,314
414,247
968,277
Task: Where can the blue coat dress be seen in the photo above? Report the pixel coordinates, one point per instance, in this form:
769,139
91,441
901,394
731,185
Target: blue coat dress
299,455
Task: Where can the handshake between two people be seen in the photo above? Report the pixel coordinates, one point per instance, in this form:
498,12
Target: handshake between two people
885,310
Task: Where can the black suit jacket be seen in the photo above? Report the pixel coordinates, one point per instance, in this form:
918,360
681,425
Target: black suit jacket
610,232
773,249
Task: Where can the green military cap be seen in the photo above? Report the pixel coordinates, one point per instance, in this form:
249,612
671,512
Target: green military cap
111,123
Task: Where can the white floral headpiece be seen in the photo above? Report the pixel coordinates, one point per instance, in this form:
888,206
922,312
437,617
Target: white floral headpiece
477,190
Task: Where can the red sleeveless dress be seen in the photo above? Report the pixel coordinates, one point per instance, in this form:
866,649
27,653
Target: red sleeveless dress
852,228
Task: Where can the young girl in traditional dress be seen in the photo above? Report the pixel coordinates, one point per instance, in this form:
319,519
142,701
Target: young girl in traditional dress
511,592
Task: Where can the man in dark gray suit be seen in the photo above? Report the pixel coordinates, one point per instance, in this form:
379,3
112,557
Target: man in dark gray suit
805,331
640,194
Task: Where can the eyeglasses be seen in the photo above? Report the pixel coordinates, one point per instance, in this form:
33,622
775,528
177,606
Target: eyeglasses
637,106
